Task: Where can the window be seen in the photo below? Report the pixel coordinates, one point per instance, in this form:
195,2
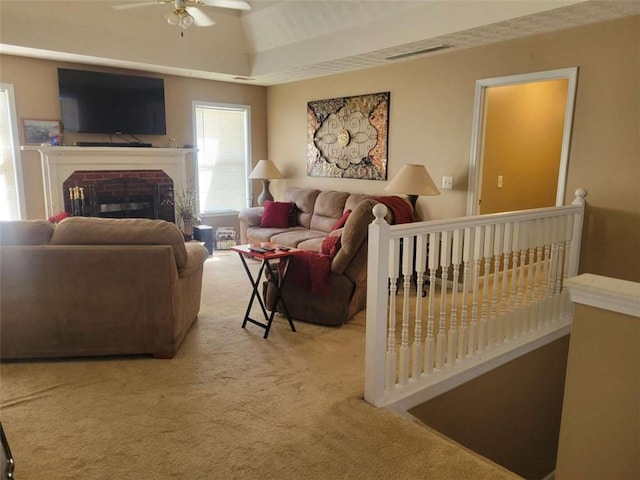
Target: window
11,192
222,140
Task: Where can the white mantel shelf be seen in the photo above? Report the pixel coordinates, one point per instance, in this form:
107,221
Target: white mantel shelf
107,151
59,163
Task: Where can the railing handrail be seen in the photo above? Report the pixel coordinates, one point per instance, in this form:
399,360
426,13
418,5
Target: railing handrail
429,226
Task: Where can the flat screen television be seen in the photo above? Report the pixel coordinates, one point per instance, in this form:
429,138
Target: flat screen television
108,103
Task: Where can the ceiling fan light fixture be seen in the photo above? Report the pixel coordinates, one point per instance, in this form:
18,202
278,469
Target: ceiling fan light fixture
179,17
186,20
172,18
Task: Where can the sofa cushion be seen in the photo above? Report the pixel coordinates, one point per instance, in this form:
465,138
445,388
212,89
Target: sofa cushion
121,231
25,232
304,200
354,199
329,207
259,234
275,214
294,236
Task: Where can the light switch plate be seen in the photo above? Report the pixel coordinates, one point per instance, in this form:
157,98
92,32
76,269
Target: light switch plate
447,183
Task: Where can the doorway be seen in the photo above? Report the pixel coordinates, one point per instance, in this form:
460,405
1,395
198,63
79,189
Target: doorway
520,141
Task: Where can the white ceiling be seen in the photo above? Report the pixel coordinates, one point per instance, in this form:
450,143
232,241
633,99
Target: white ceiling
280,41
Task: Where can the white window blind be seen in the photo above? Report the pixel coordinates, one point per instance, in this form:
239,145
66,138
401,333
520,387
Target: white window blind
11,194
222,133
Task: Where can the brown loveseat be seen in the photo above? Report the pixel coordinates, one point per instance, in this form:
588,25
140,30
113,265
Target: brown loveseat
315,213
95,286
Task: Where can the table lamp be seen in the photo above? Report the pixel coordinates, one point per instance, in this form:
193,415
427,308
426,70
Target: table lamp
413,180
265,170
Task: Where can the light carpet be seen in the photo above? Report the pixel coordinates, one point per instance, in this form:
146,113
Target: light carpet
230,405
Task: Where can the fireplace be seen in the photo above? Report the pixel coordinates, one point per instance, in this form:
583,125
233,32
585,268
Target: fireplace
60,163
119,194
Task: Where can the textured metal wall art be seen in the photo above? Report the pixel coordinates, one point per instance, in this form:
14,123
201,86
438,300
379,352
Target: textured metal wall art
348,137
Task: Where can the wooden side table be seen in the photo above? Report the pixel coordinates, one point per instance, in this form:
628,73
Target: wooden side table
267,253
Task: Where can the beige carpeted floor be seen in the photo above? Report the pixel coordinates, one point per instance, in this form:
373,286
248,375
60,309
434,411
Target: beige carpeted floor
230,405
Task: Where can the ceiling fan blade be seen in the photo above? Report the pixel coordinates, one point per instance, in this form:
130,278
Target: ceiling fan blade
234,4
200,19
134,5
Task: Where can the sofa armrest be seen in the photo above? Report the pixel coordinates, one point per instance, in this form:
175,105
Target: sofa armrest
354,233
196,255
249,217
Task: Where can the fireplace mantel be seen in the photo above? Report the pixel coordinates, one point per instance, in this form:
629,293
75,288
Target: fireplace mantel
59,163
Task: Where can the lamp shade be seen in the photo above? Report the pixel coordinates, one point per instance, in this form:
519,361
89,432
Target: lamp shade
265,169
413,180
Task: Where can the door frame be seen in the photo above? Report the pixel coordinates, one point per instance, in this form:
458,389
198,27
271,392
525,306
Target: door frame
477,134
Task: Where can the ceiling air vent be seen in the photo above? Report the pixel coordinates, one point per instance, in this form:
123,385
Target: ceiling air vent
246,79
432,49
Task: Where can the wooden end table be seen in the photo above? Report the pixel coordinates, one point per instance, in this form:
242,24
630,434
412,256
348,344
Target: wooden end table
267,252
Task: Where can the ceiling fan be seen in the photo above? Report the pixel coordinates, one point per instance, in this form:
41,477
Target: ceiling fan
186,12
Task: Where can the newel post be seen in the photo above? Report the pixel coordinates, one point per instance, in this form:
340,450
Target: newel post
377,293
576,240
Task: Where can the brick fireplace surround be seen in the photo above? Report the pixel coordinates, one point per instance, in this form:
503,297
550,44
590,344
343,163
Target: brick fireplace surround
60,163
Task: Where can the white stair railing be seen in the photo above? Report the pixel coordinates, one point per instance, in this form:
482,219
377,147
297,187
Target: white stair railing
448,300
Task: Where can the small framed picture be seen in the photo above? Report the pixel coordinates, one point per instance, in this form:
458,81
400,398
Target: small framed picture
37,132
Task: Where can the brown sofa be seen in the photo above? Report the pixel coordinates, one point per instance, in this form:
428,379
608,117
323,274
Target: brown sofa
314,215
95,286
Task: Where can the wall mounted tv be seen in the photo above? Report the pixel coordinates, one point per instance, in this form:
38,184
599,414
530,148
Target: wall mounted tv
108,103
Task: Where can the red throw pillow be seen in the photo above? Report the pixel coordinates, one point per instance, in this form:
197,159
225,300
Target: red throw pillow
341,221
276,214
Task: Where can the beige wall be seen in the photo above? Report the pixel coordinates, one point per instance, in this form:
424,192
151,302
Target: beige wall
431,119
515,426
430,122
522,144
36,89
600,428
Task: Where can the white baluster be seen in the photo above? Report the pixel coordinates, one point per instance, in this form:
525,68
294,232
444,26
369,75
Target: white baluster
407,272
418,348
394,261
545,310
559,269
483,332
521,326
495,328
537,265
504,301
429,345
441,339
467,251
456,259
531,249
477,258
512,326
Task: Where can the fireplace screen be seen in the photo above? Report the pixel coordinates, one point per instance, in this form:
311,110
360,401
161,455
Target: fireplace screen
120,194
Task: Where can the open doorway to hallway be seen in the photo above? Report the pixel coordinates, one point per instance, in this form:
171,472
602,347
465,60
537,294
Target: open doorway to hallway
521,137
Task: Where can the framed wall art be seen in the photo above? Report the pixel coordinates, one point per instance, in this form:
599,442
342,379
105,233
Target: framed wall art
347,137
37,132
